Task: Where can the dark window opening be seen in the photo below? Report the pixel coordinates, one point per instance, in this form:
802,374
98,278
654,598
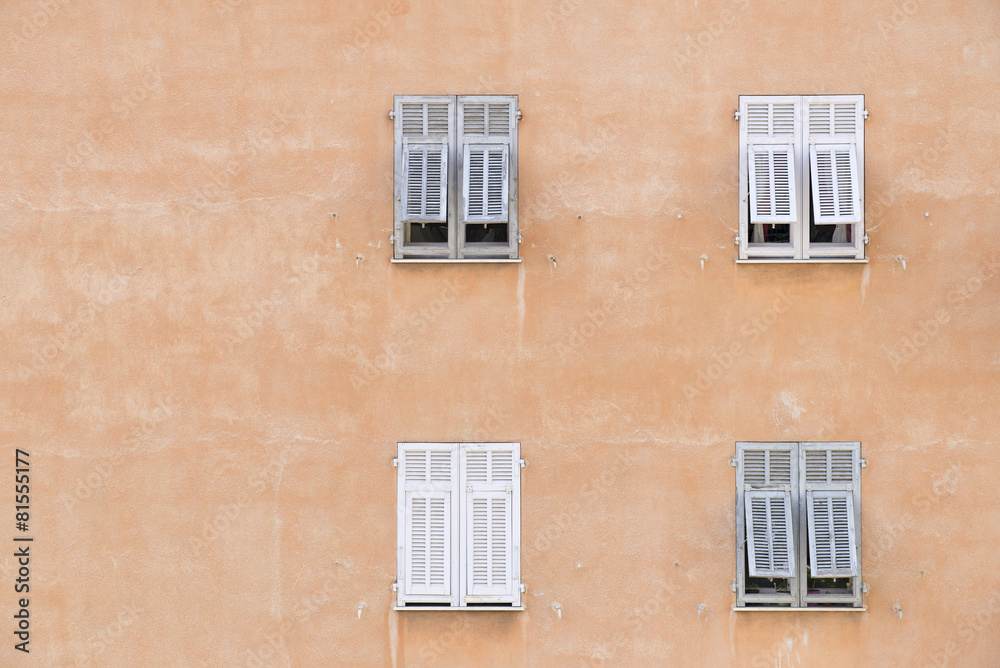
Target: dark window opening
488,233
427,233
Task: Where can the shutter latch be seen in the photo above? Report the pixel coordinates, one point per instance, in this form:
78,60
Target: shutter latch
395,462
736,117
732,462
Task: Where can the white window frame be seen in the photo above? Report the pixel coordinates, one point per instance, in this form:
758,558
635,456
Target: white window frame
458,141
799,248
462,490
801,486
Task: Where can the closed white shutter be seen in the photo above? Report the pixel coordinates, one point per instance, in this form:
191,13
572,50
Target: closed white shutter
425,183
427,489
831,534
831,473
834,176
769,533
491,544
772,183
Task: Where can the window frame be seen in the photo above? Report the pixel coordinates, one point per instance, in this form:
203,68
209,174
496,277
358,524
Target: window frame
798,597
463,489
799,248
457,249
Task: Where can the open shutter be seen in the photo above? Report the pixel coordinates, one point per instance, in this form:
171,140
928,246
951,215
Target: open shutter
835,136
769,533
491,555
832,498
485,183
772,183
834,179
427,491
425,183
487,126
831,534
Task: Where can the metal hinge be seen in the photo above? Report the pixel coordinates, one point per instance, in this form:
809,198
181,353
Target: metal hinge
864,587
866,240
519,239
395,586
522,462
392,114
395,462
522,587
732,462
736,241
864,114
732,586
864,463
736,115
518,114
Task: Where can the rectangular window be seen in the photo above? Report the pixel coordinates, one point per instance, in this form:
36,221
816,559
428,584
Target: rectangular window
798,518
802,178
455,177
458,525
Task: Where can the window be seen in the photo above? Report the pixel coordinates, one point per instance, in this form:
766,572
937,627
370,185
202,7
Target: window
798,525
459,525
802,178
456,177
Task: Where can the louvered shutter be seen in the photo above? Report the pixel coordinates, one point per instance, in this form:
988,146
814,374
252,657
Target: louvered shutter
487,126
834,134
491,556
831,534
772,183
769,533
428,477
424,137
831,484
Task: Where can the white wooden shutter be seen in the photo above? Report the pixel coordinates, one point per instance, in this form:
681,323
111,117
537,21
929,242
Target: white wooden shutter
487,126
427,520
834,131
831,534
831,473
769,533
425,182
772,183
491,545
485,183
834,176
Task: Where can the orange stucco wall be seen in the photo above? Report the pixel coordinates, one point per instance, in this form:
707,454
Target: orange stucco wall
211,371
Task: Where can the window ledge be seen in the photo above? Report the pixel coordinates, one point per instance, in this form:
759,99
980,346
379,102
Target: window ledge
812,608
458,608
812,260
451,260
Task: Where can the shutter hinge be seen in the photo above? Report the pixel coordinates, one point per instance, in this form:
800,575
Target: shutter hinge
864,114
732,462
864,587
392,239
732,586
522,587
392,114
395,462
736,117
866,240
522,462
519,114
864,463
519,238
736,240
395,586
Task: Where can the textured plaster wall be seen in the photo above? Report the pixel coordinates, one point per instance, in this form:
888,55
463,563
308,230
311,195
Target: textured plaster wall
211,371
